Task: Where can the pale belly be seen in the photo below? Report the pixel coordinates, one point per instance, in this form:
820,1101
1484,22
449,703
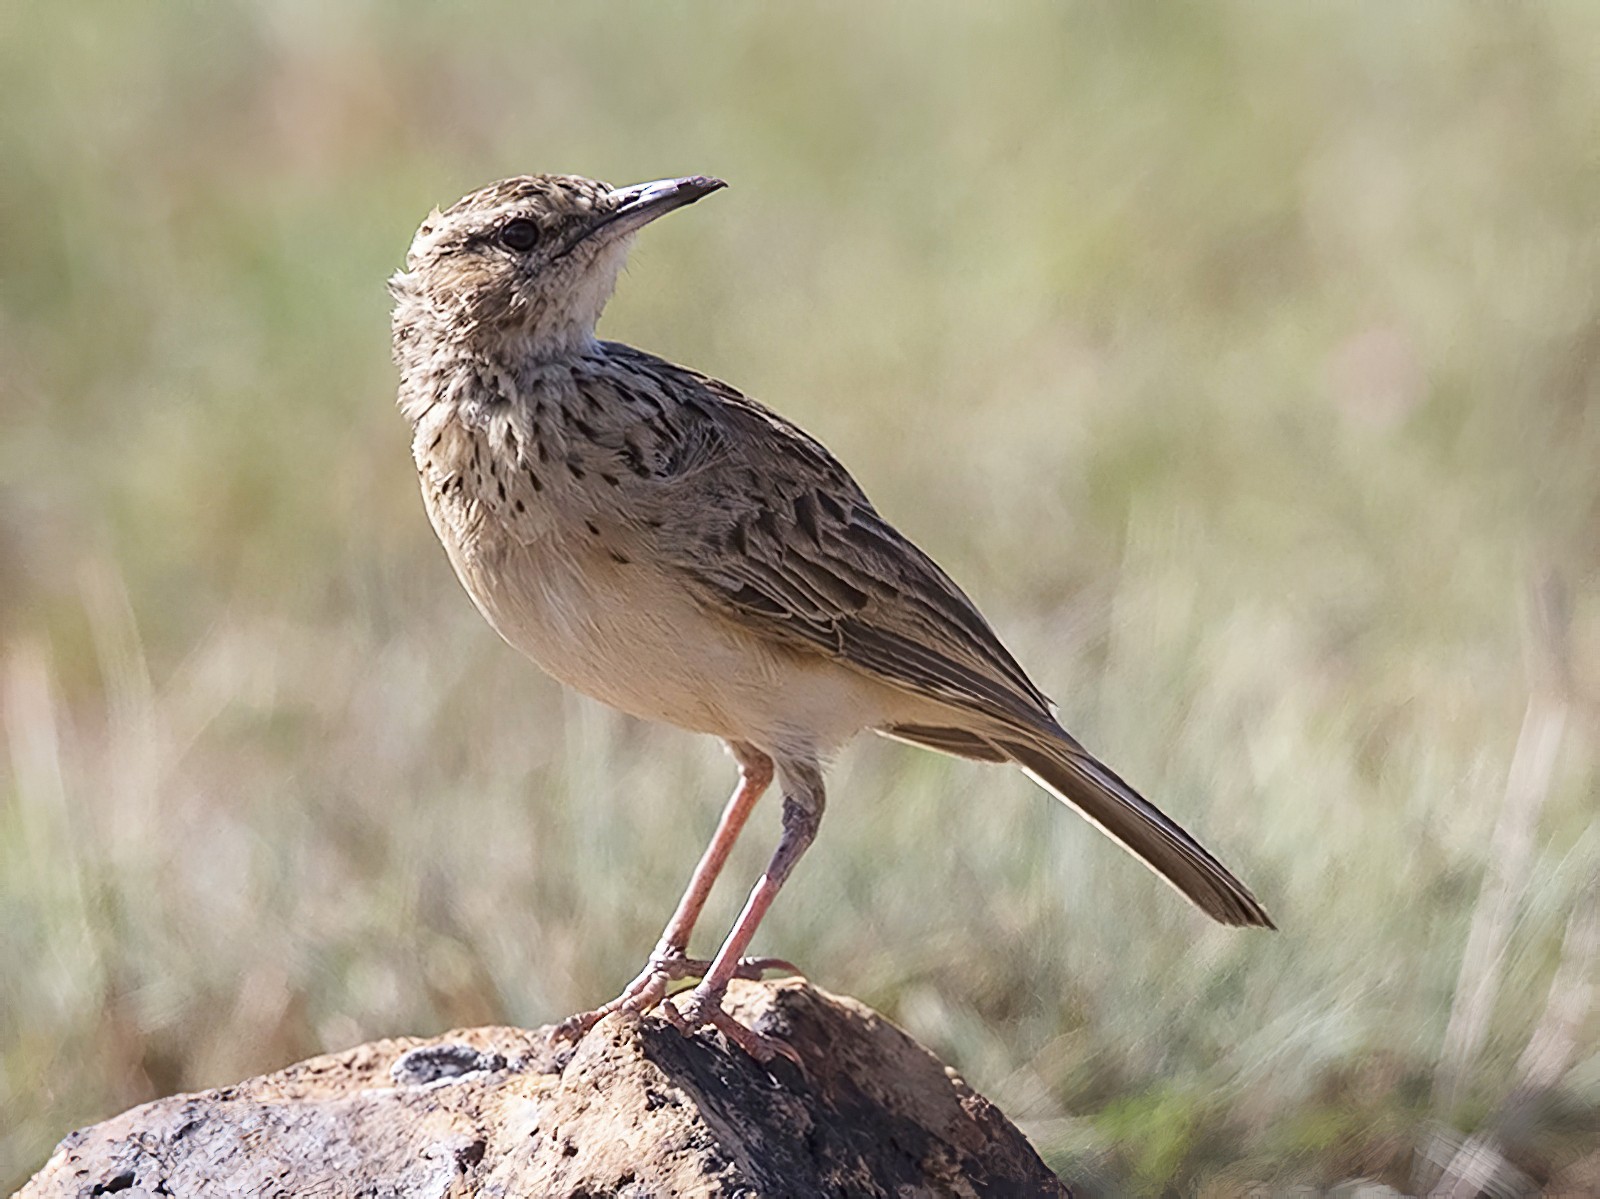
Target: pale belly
631,636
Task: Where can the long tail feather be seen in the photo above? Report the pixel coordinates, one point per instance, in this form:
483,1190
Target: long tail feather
1073,775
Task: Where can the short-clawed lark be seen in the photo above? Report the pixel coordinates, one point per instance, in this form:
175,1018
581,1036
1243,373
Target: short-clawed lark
660,542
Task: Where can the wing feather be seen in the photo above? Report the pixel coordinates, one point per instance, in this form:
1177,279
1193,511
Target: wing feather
795,550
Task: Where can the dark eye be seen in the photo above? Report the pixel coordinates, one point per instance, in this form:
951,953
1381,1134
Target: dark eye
519,235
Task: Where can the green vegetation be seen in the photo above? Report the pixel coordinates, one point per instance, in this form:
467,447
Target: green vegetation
1243,360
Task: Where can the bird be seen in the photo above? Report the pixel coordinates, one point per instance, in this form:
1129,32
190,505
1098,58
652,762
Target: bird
657,540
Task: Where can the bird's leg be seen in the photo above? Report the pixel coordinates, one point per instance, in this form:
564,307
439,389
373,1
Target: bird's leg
670,961
755,776
802,812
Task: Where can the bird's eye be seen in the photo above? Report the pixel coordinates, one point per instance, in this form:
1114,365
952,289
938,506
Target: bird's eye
520,235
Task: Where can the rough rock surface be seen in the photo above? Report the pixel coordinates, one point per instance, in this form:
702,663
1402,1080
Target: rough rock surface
634,1110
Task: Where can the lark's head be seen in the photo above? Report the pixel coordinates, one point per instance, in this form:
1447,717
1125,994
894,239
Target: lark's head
527,264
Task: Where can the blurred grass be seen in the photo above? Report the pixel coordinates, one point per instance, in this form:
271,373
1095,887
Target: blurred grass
1243,360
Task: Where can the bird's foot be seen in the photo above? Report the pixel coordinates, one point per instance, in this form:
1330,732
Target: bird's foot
641,995
702,1008
646,992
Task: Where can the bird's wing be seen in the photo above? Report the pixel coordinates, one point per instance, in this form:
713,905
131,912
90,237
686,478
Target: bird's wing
767,527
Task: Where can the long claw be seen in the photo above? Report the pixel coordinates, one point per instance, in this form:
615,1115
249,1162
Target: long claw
702,1009
641,995
669,1012
761,1046
646,992
756,967
575,1026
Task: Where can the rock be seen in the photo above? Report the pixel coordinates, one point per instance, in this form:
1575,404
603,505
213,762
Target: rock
633,1110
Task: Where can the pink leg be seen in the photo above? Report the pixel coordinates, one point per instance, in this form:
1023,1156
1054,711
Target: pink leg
670,959
755,776
802,813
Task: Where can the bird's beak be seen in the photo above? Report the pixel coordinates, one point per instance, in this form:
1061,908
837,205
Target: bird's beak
642,203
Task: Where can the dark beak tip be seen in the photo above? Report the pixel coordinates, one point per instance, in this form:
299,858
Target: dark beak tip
644,202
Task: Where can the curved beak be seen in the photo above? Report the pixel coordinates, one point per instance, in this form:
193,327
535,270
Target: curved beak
642,203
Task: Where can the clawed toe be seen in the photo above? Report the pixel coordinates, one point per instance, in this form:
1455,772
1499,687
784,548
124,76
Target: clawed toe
643,994
701,1009
669,1012
756,967
575,1026
677,968
648,993
761,1046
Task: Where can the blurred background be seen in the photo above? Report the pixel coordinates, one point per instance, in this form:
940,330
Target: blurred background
1242,360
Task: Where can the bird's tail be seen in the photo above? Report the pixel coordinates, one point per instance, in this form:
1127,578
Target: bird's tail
1073,775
